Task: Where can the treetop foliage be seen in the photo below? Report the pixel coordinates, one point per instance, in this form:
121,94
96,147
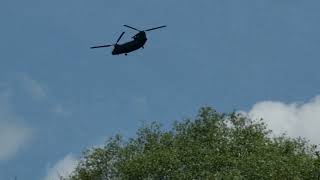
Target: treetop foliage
210,146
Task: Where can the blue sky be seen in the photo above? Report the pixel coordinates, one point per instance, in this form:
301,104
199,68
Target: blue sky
58,97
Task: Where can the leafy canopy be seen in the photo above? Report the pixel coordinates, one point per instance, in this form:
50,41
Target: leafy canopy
211,146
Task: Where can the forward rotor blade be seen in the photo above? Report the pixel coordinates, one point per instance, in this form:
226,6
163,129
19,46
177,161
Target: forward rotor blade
101,46
155,28
131,27
120,37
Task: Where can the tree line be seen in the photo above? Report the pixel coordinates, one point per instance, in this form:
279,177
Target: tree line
212,145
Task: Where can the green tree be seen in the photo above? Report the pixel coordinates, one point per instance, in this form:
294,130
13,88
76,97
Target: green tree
210,146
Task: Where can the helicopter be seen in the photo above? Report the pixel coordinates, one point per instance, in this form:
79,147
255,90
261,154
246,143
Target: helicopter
138,42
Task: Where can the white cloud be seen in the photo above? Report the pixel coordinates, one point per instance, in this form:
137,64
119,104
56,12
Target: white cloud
37,91
12,138
61,110
33,87
296,119
63,167
13,135
139,105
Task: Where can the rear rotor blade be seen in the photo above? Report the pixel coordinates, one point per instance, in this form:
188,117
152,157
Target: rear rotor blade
131,27
101,46
120,37
155,28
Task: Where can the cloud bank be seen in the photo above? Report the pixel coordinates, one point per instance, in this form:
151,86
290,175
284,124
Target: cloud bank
12,138
295,119
62,168
33,87
13,135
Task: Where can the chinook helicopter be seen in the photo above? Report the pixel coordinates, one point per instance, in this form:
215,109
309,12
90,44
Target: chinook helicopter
138,42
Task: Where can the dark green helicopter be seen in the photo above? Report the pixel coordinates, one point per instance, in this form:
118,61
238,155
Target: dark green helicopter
138,42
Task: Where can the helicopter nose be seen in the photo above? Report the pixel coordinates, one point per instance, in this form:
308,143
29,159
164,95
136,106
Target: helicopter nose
115,51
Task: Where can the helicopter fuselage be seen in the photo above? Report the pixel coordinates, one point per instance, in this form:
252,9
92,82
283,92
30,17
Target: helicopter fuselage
138,42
